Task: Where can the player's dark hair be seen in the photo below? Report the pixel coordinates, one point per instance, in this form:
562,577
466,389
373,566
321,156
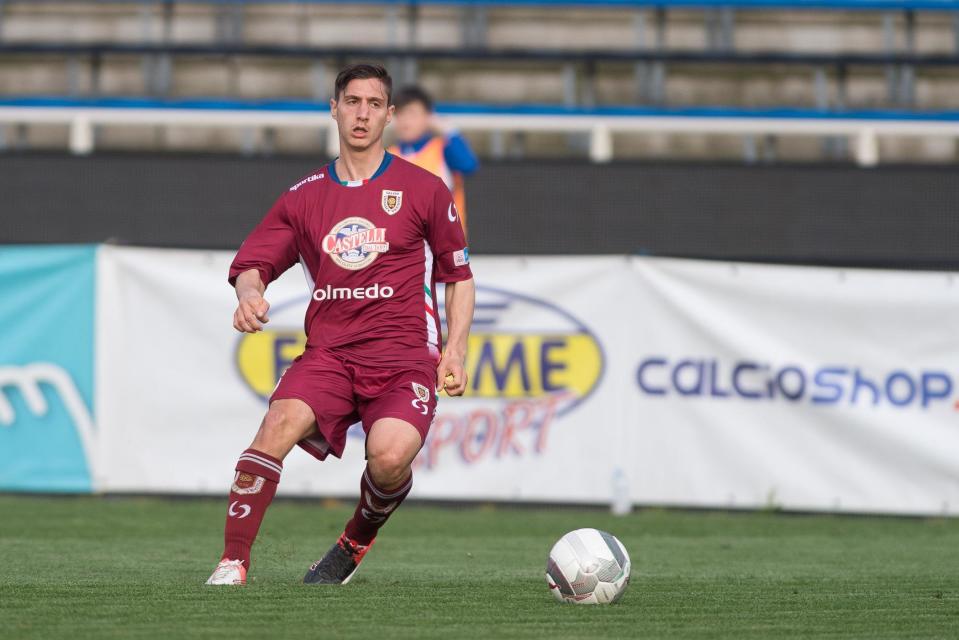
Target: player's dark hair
362,72
411,94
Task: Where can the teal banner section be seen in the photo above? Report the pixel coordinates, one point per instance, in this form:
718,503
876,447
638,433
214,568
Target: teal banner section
47,429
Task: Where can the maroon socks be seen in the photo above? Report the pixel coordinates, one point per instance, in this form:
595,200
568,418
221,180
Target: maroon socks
375,507
257,476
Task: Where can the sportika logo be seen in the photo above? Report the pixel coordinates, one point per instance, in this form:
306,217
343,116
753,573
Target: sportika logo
307,180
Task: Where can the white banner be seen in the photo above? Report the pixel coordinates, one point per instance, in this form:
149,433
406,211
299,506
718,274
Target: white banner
679,382
804,388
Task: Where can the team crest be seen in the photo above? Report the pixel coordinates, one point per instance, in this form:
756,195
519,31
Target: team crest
392,201
245,484
422,393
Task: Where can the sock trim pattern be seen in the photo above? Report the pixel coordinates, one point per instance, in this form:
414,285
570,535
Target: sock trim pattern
382,495
258,459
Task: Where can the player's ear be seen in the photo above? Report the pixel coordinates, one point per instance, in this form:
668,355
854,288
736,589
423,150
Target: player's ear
390,111
333,107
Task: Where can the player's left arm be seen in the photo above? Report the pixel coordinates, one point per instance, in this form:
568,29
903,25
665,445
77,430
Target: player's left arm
451,266
451,372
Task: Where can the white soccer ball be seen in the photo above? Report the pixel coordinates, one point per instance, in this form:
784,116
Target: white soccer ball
588,566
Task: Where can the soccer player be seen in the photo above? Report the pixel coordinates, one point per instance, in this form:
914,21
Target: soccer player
428,141
374,235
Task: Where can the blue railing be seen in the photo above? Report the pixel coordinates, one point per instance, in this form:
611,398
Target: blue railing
306,106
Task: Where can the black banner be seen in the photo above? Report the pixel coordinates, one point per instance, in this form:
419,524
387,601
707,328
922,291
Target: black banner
885,216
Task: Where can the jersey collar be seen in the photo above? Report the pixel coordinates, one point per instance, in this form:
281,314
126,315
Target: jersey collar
387,158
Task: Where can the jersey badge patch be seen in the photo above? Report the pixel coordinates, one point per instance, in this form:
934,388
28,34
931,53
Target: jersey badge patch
422,393
392,201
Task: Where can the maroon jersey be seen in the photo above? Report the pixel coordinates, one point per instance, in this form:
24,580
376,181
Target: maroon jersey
373,251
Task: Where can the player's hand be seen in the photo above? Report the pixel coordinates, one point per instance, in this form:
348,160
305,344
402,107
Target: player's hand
250,314
450,375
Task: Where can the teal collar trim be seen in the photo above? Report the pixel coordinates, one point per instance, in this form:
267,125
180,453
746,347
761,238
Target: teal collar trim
387,159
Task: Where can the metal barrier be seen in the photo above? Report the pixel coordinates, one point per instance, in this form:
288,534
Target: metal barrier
863,129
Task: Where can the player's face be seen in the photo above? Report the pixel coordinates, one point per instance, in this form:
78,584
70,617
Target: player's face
412,122
361,113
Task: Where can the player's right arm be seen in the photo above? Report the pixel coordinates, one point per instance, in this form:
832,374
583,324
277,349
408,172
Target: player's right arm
266,253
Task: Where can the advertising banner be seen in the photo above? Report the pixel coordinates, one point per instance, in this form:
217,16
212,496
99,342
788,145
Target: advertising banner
47,431
183,392
806,388
645,380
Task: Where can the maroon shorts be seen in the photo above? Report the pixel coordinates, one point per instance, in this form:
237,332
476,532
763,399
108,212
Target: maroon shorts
342,393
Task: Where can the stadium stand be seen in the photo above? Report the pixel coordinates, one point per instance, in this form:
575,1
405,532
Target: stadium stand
891,61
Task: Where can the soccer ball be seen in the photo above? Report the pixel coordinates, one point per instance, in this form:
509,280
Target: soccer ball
588,566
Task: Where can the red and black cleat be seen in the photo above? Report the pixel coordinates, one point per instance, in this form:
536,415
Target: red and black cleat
339,564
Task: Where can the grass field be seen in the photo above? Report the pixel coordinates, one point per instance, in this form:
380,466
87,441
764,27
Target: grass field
134,568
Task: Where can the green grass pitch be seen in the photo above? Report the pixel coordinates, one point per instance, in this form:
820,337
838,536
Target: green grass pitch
135,567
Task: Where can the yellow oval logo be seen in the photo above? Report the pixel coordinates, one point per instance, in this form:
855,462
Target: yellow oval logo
520,347
263,357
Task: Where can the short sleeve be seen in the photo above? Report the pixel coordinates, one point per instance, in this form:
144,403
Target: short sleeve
270,248
451,256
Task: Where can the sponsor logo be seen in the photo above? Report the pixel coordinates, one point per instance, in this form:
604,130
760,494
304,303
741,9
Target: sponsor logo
354,243
379,508
49,437
451,212
461,257
247,484
374,292
508,360
392,201
261,358
373,516
422,400
829,385
529,363
244,511
376,513
422,393
312,178
27,381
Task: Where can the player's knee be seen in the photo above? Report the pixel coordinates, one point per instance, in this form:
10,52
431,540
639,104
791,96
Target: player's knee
280,425
389,469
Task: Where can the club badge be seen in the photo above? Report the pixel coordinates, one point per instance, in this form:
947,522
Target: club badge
422,393
245,484
392,201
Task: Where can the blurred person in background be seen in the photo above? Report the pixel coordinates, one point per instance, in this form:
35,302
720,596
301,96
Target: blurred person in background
426,140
